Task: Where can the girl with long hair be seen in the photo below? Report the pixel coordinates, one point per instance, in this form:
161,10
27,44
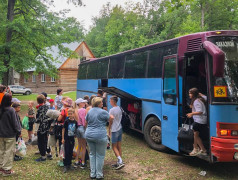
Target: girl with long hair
199,115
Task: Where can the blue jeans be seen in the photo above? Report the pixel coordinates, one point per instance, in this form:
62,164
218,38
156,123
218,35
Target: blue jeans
97,149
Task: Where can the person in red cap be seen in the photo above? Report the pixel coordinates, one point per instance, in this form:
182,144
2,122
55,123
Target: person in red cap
51,101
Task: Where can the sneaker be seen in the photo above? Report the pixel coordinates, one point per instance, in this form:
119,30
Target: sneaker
49,156
17,158
71,167
114,165
29,142
83,166
203,153
40,159
8,172
195,152
76,164
65,169
120,165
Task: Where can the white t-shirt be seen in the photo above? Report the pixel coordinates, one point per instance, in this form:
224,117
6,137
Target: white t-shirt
117,114
198,106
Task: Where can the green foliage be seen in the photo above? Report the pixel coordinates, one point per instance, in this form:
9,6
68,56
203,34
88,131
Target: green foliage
118,29
34,29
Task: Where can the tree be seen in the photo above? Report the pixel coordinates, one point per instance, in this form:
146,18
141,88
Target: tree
29,29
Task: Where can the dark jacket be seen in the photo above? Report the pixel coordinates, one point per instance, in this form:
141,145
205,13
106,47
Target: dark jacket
9,124
42,119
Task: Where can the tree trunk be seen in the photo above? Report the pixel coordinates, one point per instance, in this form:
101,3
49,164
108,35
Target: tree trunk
8,76
202,15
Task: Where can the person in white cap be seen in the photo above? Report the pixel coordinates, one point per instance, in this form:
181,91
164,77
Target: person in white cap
48,101
15,100
80,133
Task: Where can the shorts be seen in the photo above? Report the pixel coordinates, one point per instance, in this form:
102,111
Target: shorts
116,136
80,133
201,128
30,125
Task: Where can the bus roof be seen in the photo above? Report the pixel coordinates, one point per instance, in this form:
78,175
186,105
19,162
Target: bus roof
172,41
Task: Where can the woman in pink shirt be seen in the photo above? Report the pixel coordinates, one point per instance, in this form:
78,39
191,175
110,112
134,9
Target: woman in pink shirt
80,133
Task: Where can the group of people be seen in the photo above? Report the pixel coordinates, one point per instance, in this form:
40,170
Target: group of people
86,119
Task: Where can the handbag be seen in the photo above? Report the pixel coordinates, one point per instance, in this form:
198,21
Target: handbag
186,134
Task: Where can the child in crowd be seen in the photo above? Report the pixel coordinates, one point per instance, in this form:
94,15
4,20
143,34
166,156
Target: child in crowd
86,97
42,132
68,133
58,99
81,132
115,130
51,101
17,107
67,103
48,101
31,120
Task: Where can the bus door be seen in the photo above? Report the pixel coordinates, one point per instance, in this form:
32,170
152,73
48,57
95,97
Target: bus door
169,120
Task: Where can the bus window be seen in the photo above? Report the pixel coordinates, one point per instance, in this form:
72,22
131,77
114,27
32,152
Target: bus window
102,69
82,73
92,71
116,67
135,65
155,63
169,91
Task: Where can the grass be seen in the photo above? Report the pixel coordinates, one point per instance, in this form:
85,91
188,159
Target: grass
33,97
141,163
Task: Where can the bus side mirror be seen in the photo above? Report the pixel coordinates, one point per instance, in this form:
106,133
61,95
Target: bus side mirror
218,58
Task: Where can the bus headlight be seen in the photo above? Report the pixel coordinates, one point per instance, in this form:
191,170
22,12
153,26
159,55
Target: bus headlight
236,156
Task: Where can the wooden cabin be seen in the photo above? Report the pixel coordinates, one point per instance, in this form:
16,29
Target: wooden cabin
67,71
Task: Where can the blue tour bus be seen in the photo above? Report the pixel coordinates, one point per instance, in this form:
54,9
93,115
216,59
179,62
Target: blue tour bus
152,83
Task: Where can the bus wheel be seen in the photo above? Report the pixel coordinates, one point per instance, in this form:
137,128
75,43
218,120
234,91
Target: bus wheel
152,134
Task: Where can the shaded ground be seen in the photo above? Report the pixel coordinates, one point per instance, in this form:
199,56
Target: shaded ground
141,163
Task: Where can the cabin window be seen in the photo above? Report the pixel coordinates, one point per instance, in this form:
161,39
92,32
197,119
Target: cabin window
25,80
42,77
52,79
33,78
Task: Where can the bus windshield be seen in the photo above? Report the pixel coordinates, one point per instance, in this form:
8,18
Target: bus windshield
225,89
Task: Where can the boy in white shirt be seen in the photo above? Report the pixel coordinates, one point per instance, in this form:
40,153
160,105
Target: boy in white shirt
115,130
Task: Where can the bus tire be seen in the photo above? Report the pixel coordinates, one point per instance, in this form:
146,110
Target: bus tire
152,134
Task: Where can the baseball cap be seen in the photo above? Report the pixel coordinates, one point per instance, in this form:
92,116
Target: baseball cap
51,100
15,100
44,94
80,100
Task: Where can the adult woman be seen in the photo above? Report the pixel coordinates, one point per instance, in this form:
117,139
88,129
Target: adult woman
199,115
9,128
96,136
